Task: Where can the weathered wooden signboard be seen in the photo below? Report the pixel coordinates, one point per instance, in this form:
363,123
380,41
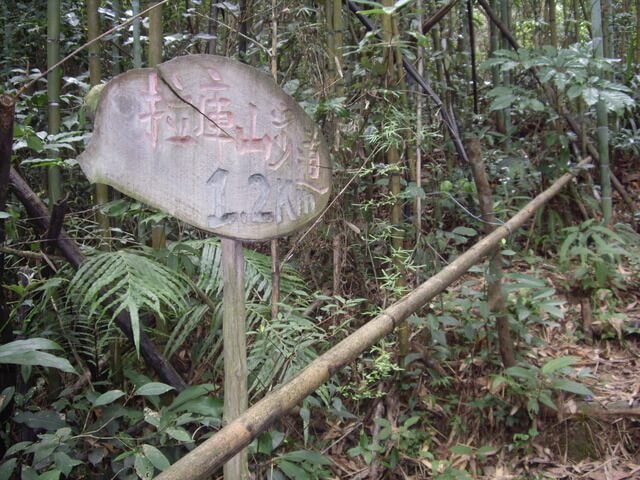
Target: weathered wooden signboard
213,142
220,146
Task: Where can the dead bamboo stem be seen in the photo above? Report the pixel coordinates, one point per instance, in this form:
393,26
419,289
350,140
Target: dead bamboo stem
208,457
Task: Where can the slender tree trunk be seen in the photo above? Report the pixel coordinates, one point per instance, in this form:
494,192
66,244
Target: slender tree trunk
95,74
53,92
602,120
495,294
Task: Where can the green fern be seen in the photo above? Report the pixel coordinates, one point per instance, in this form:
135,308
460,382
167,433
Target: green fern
111,282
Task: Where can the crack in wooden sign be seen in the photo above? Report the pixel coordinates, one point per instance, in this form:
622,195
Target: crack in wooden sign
213,142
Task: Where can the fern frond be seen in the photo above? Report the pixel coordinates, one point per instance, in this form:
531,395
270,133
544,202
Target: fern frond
127,281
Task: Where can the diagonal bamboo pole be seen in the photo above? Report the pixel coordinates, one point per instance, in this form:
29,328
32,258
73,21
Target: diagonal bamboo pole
209,456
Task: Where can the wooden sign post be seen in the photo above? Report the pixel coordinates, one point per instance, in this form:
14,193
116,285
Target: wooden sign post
219,145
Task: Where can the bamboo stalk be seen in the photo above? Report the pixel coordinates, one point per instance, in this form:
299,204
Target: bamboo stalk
95,74
53,92
137,44
204,460
602,118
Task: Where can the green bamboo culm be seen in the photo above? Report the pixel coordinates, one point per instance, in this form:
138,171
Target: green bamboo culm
155,36
95,74
158,234
115,47
505,13
602,119
137,46
54,174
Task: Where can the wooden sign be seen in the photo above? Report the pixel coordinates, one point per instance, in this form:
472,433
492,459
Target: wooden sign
213,142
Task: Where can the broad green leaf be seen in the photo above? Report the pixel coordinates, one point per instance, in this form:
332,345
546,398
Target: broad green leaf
546,399
5,397
521,372
44,419
572,387
191,393
40,359
461,450
153,388
292,471
544,293
500,103
50,475
487,451
552,307
17,447
143,467
108,397
465,231
179,434
96,455
21,346
558,364
207,406
616,101
590,96
156,457
65,463
6,469
265,443
527,281
300,456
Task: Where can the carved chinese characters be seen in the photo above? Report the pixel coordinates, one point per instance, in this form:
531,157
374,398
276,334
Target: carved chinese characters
213,142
